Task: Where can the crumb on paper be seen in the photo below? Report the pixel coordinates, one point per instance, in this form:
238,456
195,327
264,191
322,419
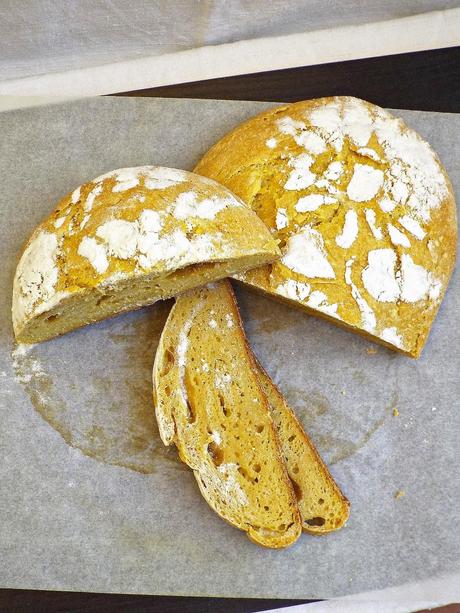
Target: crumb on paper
433,409
371,351
395,412
400,494
344,392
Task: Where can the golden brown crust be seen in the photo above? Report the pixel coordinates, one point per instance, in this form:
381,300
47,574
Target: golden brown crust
387,199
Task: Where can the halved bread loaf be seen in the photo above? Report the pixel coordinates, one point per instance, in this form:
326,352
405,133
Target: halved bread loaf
362,207
323,507
208,402
126,239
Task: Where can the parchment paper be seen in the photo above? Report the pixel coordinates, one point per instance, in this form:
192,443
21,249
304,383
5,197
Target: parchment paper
89,498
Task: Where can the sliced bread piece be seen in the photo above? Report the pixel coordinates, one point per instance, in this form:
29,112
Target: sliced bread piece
322,505
208,402
126,239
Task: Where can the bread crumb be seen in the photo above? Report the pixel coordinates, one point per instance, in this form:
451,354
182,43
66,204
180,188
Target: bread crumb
395,412
400,494
433,409
371,351
344,392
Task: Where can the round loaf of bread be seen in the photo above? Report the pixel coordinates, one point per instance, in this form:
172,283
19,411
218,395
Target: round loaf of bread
126,239
361,206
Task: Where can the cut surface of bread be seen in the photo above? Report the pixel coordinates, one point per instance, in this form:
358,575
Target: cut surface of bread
126,239
362,207
208,402
323,508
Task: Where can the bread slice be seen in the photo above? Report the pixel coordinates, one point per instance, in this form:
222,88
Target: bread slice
208,402
362,207
126,239
323,507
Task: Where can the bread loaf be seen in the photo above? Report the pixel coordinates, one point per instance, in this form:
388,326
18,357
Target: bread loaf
126,239
323,508
208,402
362,207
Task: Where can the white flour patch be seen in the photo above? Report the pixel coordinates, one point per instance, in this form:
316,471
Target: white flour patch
311,142
397,237
318,300
412,225
295,290
370,153
305,254
282,220
93,251
350,230
58,222
390,335
416,281
300,177
84,221
371,218
159,177
313,202
36,275
120,238
379,277
126,179
368,319
91,197
188,205
365,183
386,204
334,171
410,284
75,197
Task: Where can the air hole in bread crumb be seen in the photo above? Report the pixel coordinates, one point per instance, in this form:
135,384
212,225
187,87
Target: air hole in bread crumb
225,409
315,521
191,415
102,299
321,501
168,362
167,390
291,438
297,490
215,453
266,508
244,473
295,469
257,468
52,318
260,428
